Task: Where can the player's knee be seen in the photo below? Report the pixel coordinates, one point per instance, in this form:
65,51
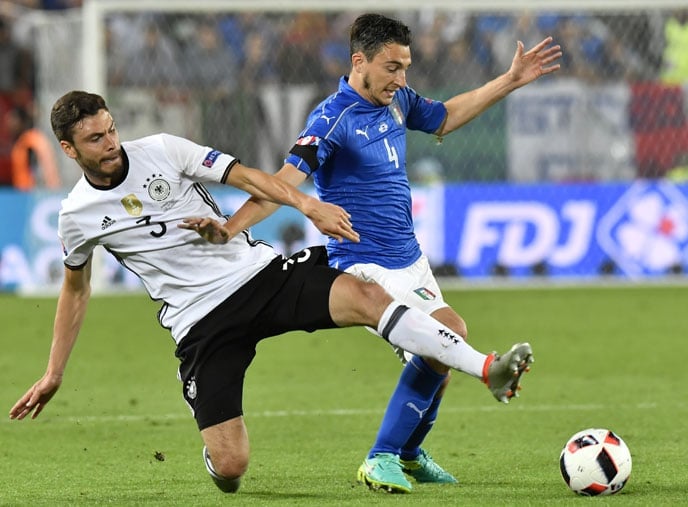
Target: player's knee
452,320
373,299
357,302
231,467
226,470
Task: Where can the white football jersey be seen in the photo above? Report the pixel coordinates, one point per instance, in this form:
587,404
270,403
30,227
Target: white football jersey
136,221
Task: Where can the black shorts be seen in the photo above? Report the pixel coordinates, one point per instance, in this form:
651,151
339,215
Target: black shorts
287,295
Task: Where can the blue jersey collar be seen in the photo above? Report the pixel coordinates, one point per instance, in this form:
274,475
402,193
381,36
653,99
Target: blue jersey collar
347,90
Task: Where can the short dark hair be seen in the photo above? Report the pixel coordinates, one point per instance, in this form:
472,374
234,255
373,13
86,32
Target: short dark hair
370,32
70,109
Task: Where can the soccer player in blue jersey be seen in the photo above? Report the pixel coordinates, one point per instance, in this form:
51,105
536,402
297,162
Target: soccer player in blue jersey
354,147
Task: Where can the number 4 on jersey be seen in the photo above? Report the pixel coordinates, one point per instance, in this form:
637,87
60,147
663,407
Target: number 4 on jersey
392,154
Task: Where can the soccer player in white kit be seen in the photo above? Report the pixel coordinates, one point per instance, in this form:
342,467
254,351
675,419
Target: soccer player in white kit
354,147
218,301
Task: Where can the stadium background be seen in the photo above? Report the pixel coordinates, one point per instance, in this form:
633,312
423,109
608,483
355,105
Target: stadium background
577,176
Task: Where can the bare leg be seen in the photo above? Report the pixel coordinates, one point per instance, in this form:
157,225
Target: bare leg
226,453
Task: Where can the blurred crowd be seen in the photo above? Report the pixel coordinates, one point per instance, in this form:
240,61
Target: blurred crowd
223,58
458,49
27,155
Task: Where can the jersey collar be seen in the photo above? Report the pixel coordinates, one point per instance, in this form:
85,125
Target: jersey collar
347,90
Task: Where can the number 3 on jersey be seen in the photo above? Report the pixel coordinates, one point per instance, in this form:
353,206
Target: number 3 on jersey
146,220
392,154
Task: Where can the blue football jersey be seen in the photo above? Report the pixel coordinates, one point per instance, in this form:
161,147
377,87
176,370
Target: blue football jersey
356,153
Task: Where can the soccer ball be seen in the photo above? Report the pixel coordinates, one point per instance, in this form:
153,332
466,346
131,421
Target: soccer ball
595,462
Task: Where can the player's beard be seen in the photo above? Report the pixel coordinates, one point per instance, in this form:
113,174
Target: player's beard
369,89
93,168
375,99
366,83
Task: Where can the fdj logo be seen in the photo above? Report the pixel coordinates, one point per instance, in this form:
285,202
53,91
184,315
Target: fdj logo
646,231
522,234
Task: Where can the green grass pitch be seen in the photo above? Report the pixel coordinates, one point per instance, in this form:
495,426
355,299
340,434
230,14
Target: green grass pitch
119,433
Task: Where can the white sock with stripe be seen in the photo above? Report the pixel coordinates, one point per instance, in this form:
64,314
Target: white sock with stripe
420,334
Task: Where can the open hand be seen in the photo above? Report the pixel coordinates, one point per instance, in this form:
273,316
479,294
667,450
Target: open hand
208,228
536,62
35,399
332,220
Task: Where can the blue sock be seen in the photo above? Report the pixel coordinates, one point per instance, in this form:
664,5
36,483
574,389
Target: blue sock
410,402
411,448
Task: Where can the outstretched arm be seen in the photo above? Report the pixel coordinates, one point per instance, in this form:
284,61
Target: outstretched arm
255,210
267,194
525,68
71,309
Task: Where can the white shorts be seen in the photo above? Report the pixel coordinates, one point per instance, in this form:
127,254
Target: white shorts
414,286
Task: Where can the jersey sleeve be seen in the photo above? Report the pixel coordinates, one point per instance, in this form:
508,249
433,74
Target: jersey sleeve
200,163
75,248
424,114
316,143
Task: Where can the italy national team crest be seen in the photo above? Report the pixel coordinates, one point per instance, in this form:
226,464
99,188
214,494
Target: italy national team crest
646,231
395,109
132,204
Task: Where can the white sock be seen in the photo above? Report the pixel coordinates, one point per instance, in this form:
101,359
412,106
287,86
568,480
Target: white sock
420,334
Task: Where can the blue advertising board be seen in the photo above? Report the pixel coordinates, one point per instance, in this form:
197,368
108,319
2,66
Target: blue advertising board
578,230
634,229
